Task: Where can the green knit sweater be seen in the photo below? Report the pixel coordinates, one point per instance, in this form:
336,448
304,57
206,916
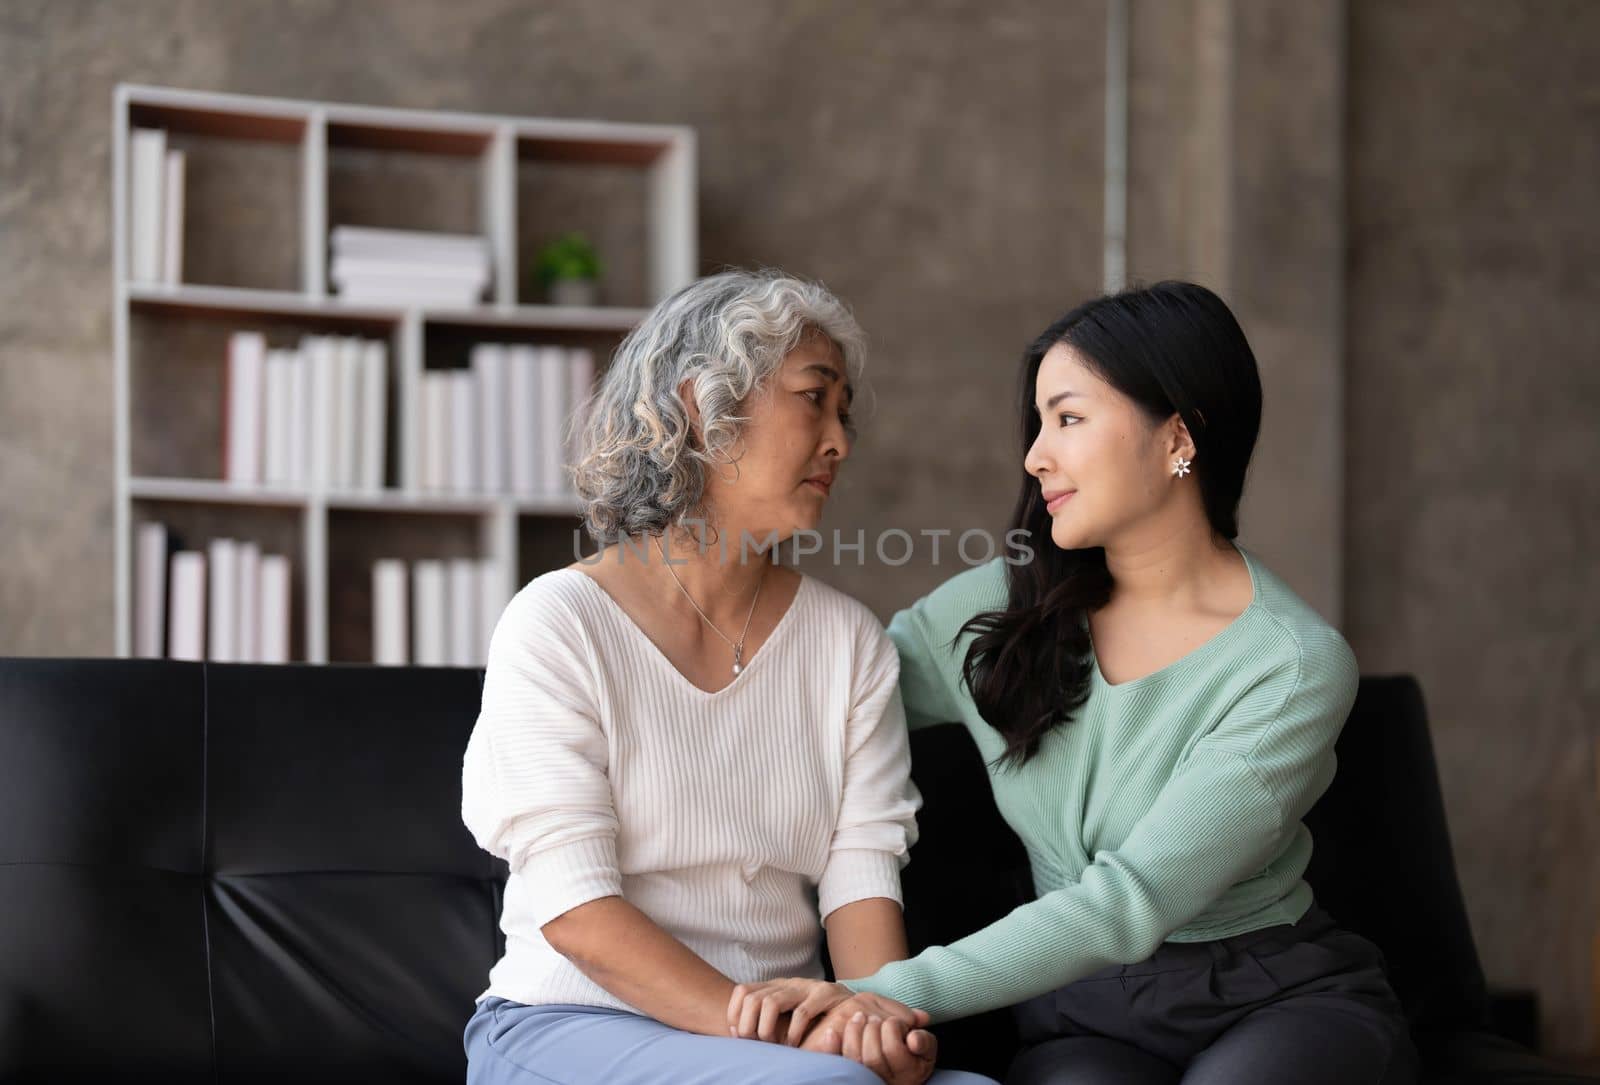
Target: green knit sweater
1168,809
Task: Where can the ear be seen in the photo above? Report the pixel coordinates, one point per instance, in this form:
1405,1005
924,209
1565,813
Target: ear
1180,442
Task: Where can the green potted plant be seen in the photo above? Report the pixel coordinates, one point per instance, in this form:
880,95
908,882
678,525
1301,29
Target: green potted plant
570,271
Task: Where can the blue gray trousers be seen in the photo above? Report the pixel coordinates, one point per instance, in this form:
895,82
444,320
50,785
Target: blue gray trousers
508,1043
1294,1004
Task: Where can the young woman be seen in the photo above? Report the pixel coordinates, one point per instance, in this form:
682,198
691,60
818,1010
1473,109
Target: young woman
1159,711
694,759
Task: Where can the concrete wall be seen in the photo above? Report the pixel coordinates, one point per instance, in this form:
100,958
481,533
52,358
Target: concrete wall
1473,335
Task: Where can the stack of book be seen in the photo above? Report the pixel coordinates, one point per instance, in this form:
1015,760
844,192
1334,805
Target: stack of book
409,267
228,603
155,208
312,415
506,424
453,605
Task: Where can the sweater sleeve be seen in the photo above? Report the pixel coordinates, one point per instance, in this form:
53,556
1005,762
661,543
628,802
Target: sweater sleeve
534,788
924,667
876,824
1228,810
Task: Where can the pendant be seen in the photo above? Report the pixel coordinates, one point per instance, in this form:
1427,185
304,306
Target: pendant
738,659
737,668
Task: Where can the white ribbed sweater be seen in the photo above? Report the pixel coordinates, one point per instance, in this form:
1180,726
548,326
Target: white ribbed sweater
736,820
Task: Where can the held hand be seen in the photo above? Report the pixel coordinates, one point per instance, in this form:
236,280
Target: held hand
755,1010
884,1046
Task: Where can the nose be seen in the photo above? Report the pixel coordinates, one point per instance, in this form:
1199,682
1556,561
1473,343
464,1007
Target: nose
1036,462
836,441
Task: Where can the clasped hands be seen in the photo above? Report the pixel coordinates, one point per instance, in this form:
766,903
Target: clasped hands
884,1035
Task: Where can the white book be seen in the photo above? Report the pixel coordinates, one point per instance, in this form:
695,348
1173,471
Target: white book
247,646
463,442
279,416
489,375
389,628
347,434
273,609
522,373
465,591
323,351
150,592
186,606
246,407
553,381
579,388
297,430
147,154
421,296
375,412
436,430
172,220
349,269
430,613
491,602
222,622
372,242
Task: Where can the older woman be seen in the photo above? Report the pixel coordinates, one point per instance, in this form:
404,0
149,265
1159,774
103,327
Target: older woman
693,759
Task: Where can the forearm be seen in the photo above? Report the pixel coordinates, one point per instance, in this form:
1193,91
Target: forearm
627,953
865,935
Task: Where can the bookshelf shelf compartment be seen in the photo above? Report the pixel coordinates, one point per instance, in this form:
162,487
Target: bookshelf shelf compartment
269,178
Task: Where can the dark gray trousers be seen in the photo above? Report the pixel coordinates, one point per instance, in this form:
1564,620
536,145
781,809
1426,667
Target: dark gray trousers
1293,1004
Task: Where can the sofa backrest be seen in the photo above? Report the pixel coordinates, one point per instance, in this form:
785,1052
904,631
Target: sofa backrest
229,871
238,871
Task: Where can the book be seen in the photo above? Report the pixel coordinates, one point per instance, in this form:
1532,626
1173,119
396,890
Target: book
244,395
522,396
389,626
147,153
464,595
374,412
247,646
172,220
347,420
430,613
154,547
554,380
274,609
463,445
186,606
222,593
488,362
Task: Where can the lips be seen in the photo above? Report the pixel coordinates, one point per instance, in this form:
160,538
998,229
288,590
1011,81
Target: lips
1054,499
823,482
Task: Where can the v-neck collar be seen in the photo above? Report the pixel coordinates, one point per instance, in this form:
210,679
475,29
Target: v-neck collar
654,649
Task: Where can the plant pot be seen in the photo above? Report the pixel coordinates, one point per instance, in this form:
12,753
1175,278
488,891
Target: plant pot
575,292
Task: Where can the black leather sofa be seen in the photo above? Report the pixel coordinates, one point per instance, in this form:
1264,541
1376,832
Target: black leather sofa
233,873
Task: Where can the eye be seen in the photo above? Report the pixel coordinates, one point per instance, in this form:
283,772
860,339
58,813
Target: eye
847,420
818,393
1063,418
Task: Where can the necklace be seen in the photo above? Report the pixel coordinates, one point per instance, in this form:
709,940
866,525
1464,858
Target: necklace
738,649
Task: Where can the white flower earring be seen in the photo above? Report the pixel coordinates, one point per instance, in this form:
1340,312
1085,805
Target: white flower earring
1180,466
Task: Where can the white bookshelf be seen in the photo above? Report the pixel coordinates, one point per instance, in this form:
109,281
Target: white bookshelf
497,148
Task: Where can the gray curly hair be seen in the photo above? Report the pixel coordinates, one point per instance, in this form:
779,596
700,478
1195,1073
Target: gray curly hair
638,471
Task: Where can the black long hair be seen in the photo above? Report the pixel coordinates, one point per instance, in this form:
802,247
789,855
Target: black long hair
1170,347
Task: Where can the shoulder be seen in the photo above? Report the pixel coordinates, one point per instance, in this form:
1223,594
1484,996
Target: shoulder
948,607
1292,635
551,612
840,615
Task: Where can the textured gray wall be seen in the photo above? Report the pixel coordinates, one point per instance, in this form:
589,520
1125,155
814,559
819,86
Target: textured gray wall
1473,332
939,165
